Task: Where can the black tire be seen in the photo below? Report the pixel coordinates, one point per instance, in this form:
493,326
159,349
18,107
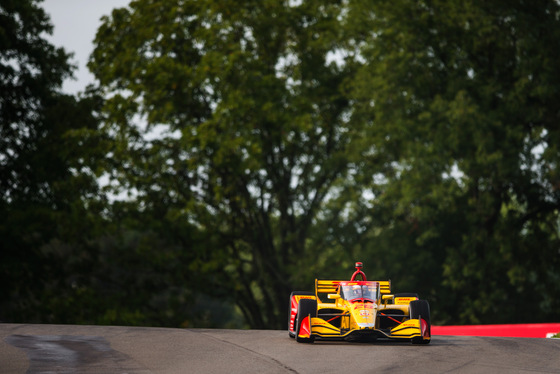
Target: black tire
421,309
306,307
295,293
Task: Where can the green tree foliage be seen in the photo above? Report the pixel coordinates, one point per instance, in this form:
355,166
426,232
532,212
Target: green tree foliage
462,99
252,137
68,256
268,143
45,177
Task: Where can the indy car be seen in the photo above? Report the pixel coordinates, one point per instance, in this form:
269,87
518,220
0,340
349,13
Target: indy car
358,310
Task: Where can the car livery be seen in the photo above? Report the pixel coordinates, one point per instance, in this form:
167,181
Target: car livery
359,310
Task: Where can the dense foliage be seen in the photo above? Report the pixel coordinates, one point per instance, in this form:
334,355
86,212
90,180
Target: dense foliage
252,133
463,103
251,149
40,186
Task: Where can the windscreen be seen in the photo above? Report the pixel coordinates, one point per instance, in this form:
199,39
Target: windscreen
368,292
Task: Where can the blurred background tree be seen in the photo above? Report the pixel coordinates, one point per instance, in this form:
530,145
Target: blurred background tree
235,117
463,104
45,177
251,149
68,253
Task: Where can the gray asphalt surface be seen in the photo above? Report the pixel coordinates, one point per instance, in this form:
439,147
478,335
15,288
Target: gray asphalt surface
34,349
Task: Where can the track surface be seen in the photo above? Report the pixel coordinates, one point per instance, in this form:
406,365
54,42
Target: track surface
34,349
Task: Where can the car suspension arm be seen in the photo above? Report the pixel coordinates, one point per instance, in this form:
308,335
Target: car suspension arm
391,318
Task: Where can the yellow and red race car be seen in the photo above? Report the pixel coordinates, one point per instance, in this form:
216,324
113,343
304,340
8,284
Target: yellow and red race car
358,309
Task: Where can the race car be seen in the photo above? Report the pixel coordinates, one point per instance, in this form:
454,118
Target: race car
358,310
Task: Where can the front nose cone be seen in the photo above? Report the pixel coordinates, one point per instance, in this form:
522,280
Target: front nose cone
365,315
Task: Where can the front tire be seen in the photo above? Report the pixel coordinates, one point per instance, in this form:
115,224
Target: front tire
420,309
292,321
306,307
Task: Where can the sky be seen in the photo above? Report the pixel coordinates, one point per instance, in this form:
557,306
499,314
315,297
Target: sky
75,24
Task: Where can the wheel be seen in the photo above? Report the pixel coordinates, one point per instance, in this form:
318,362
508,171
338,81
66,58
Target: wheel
421,309
306,307
292,311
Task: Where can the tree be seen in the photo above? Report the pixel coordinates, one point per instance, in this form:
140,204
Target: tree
462,102
252,137
45,177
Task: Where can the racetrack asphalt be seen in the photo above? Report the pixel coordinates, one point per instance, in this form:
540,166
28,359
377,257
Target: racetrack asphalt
35,349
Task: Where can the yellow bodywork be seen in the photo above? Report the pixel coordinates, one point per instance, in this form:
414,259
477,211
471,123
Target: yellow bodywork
406,330
360,318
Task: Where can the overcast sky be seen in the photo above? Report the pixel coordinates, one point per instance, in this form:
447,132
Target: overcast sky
75,24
